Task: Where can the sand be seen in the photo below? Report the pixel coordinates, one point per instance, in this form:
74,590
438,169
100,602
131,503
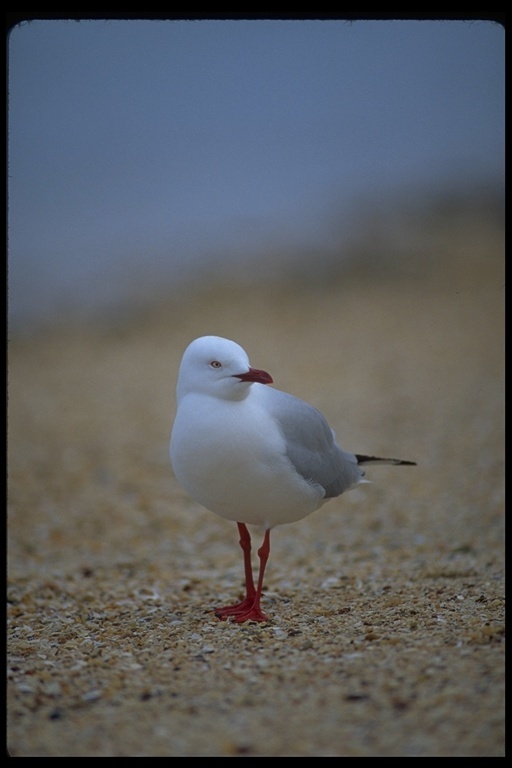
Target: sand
387,606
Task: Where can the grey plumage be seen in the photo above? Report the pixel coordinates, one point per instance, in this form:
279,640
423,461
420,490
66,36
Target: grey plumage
311,446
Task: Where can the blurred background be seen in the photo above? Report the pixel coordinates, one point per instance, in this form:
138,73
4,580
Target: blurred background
149,157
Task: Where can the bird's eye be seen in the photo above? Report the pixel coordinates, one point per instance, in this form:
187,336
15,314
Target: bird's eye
215,364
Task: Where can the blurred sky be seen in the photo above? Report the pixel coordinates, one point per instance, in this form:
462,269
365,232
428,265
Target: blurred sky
139,149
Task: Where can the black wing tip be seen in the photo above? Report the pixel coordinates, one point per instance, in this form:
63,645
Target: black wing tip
362,459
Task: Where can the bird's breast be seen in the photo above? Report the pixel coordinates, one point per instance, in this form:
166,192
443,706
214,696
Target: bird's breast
232,459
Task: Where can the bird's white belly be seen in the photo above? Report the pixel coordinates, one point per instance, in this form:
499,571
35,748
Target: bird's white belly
238,468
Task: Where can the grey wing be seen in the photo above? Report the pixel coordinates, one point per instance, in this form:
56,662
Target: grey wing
310,445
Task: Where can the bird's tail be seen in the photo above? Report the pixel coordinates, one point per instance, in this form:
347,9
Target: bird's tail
361,459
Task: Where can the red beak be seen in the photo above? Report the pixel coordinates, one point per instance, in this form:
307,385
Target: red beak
254,374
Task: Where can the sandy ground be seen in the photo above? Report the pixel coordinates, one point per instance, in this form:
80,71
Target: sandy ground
387,606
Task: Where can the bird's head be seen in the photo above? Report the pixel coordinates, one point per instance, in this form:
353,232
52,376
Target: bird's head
219,367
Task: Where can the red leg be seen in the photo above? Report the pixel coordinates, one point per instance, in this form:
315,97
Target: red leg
245,543
249,609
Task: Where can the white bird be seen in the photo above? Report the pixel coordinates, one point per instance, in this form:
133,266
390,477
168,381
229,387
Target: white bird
253,454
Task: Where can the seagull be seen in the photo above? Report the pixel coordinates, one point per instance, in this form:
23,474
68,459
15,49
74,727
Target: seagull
253,454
